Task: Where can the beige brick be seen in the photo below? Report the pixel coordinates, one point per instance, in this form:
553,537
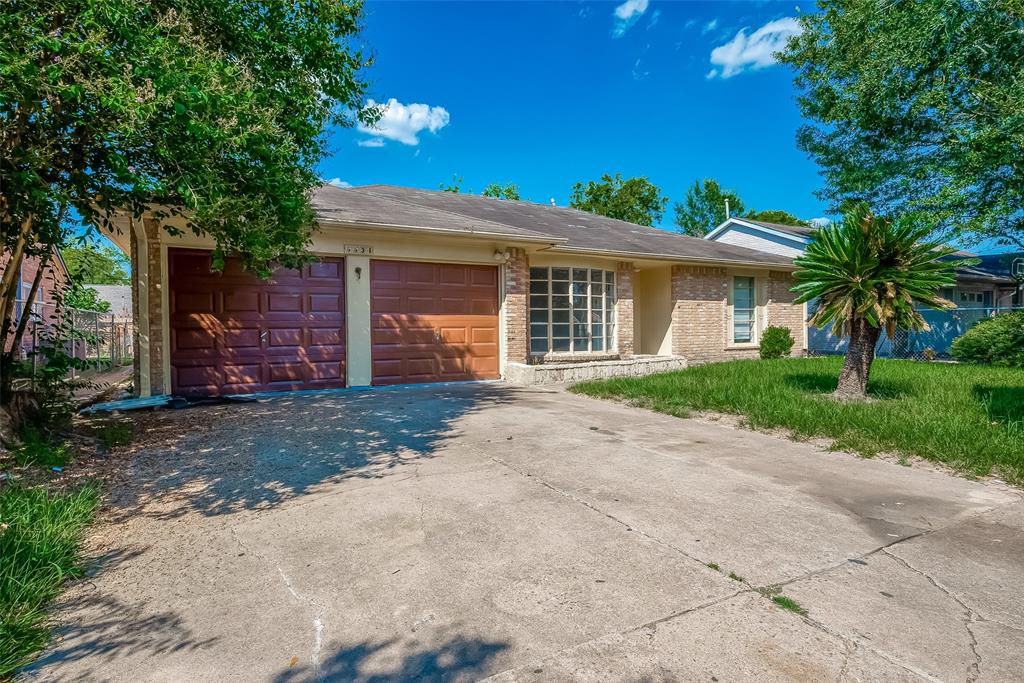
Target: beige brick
624,308
517,283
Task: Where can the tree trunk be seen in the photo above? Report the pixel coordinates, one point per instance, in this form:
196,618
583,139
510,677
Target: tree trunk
853,380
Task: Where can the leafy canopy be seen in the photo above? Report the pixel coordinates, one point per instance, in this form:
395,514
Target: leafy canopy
917,108
703,209
85,298
635,200
868,268
499,191
776,216
96,264
214,110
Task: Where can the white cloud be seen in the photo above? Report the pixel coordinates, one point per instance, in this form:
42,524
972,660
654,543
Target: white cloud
338,182
403,122
819,223
627,14
710,26
755,51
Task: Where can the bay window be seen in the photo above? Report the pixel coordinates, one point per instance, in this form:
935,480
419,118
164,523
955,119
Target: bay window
572,310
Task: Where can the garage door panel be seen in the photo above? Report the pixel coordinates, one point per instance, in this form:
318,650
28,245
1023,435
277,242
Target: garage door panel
233,332
425,318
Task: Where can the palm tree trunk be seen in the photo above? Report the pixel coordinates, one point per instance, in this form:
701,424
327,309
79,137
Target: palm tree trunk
853,380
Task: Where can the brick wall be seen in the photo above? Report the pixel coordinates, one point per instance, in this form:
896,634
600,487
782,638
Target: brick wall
156,307
517,283
136,317
700,313
781,309
624,308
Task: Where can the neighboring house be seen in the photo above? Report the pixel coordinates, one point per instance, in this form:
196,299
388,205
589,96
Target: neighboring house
1009,265
54,278
118,296
979,292
417,286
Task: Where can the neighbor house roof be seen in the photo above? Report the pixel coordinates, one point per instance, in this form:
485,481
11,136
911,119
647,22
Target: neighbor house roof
564,229
802,233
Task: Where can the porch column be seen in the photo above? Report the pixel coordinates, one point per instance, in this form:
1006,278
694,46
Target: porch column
624,308
154,301
514,306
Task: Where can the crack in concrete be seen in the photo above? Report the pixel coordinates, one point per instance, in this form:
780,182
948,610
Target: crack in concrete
594,508
974,671
318,623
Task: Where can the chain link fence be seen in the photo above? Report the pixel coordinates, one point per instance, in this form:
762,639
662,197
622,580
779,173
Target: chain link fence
933,344
104,340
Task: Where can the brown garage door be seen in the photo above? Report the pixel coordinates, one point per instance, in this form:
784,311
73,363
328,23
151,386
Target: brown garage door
232,332
433,322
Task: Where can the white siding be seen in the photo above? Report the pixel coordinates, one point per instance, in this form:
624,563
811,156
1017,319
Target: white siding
745,237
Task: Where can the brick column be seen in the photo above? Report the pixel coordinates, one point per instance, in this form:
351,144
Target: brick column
782,311
624,308
136,316
517,283
699,298
156,308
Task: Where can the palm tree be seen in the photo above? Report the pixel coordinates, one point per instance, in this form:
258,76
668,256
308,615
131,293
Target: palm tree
868,274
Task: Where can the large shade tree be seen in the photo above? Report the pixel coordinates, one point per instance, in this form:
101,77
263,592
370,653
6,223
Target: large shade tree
870,274
916,106
212,110
636,200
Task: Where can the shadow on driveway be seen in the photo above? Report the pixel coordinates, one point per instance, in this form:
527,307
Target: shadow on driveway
229,458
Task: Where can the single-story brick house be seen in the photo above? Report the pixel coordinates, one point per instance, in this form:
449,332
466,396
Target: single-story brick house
417,286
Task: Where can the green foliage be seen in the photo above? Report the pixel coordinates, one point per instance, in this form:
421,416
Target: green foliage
498,191
789,604
776,342
455,186
776,216
40,450
96,264
704,207
635,200
874,269
994,341
215,111
85,299
969,417
40,539
916,108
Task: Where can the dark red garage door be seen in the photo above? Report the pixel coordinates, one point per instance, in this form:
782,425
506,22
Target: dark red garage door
232,332
433,322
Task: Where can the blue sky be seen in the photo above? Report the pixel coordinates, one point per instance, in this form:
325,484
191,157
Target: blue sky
545,94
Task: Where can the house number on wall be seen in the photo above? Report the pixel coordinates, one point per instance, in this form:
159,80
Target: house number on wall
358,249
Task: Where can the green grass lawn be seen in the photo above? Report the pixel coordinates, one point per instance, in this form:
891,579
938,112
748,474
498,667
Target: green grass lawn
40,537
968,417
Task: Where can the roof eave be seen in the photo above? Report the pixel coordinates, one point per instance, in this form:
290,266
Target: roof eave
672,257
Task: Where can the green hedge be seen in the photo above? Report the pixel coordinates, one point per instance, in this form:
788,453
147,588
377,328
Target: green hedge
776,342
994,341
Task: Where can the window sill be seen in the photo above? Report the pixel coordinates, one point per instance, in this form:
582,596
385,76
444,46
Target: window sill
571,357
742,345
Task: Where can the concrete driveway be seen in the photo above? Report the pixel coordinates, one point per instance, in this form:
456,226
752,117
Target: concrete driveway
469,531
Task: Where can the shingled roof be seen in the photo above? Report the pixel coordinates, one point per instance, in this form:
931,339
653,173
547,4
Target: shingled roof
565,229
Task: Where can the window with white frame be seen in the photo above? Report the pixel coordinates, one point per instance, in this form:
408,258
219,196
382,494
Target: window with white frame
572,310
744,310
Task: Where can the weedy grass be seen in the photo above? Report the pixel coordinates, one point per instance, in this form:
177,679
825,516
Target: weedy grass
788,603
968,417
40,540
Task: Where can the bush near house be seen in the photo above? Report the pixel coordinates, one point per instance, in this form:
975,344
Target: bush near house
776,342
969,417
994,341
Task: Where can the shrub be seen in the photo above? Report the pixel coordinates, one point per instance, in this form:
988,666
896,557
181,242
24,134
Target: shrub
776,342
994,341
